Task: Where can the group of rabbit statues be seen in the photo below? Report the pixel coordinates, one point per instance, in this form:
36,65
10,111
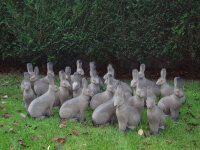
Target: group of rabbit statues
118,103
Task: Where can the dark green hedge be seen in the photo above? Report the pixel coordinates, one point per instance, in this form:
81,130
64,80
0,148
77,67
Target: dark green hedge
38,30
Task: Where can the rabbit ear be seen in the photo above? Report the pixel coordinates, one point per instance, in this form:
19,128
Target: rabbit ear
26,76
135,74
29,67
84,83
92,65
62,75
68,70
79,63
36,70
177,82
50,66
163,73
142,68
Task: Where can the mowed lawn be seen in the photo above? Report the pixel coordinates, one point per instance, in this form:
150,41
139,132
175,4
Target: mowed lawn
21,132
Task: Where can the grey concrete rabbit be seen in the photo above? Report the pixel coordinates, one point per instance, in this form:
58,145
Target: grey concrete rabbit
74,109
103,97
41,86
148,82
76,84
171,104
165,89
41,107
127,116
155,115
28,94
65,89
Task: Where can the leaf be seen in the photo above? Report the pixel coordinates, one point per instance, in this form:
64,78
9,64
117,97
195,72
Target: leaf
145,135
198,117
62,126
39,136
32,138
6,115
75,132
22,115
169,142
4,96
140,132
19,111
11,130
1,126
11,148
62,121
15,122
59,140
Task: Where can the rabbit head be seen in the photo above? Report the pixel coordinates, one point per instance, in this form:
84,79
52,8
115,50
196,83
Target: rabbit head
162,78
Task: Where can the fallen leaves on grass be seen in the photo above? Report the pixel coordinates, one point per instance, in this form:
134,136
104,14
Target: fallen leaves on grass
59,140
189,106
6,115
194,142
11,130
169,142
39,136
21,142
190,114
198,117
62,126
140,132
19,111
2,107
4,96
1,126
32,138
22,115
75,132
11,148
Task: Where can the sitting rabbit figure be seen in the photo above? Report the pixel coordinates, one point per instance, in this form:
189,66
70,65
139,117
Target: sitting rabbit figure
110,70
41,107
103,97
165,89
135,79
68,74
65,89
127,116
147,82
139,98
28,94
155,115
74,109
95,82
41,86
92,68
31,73
171,104
76,84
79,68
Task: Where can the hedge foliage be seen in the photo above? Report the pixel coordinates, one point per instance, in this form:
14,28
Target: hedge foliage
40,30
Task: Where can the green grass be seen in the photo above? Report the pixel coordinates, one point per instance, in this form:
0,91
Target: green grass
183,134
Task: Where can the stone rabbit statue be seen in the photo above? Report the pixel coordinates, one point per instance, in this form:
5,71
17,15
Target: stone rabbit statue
155,115
31,73
165,89
41,107
171,104
95,82
92,69
147,82
134,80
103,97
28,94
139,98
127,116
74,109
41,86
76,84
68,74
79,68
65,89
